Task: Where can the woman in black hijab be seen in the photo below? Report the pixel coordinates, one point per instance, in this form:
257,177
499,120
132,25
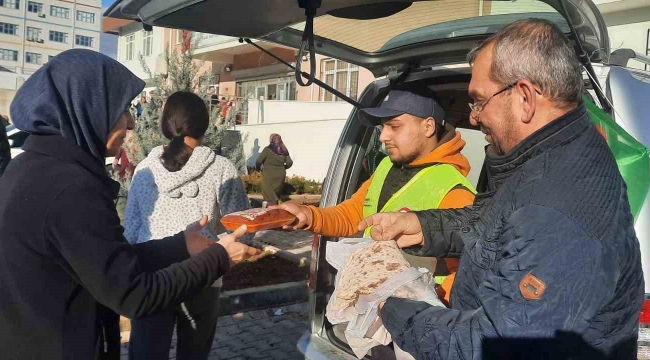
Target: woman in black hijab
62,252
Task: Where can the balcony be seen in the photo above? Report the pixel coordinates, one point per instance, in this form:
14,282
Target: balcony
211,40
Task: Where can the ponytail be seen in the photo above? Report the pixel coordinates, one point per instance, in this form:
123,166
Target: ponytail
185,114
176,154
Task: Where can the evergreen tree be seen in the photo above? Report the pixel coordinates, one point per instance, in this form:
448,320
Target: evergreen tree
183,75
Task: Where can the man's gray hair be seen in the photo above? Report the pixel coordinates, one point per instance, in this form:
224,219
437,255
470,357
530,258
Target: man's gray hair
537,51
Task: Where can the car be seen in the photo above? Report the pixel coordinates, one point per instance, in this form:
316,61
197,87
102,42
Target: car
413,43
17,139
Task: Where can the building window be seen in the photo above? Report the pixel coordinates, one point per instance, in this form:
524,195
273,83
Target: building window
33,58
58,36
130,47
340,75
86,17
61,12
11,4
8,55
34,34
147,43
179,36
35,7
282,88
10,29
83,40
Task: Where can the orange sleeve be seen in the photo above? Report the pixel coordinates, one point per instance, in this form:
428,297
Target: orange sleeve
457,198
342,219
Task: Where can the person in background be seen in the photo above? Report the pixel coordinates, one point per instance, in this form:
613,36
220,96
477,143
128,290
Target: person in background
173,185
550,265
62,251
274,162
5,149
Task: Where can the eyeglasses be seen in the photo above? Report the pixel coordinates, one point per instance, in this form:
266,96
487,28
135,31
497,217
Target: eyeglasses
478,107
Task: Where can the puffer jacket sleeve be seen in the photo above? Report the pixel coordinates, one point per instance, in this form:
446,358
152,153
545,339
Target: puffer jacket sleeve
553,249
442,232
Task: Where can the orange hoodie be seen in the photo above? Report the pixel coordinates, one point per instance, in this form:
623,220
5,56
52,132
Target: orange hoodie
343,219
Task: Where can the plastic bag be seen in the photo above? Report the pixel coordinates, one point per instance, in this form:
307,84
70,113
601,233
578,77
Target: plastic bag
364,329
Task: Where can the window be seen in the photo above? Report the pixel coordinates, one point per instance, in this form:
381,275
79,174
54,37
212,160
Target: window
83,40
85,17
33,58
179,36
58,11
10,29
282,88
58,36
34,34
340,75
11,4
35,7
147,43
8,55
130,47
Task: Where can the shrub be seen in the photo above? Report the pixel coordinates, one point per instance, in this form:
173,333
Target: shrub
294,185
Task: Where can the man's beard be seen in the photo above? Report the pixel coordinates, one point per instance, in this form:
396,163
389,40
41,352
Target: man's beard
507,135
402,160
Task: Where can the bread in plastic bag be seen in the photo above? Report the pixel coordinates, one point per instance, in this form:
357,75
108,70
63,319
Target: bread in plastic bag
364,328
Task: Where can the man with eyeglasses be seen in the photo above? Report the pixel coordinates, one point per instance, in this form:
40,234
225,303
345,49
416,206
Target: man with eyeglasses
550,265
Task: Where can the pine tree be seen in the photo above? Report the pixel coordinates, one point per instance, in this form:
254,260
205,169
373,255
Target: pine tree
183,75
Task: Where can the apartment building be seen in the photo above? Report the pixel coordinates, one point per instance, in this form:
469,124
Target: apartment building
32,32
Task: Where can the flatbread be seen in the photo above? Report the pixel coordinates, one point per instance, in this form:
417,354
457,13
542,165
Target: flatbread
366,269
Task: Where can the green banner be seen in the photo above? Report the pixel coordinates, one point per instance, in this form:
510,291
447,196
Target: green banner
631,156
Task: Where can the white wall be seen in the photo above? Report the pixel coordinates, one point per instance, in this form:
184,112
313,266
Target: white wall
310,130
153,61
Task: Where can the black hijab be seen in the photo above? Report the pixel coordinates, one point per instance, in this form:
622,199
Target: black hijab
78,95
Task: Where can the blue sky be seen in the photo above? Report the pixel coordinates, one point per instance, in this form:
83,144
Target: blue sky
107,42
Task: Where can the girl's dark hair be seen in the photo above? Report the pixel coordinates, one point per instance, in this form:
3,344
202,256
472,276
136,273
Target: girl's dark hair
185,114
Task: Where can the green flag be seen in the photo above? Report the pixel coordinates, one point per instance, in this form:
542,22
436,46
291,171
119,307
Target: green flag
631,156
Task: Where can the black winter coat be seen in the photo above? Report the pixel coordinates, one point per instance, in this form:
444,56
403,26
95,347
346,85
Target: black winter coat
62,254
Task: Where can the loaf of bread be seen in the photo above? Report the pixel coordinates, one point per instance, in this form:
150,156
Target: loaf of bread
258,219
366,269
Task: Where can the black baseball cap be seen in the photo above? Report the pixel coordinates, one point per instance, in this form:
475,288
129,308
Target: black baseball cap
420,103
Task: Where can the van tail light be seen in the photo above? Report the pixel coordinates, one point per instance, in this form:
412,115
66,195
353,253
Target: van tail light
313,265
643,342
644,319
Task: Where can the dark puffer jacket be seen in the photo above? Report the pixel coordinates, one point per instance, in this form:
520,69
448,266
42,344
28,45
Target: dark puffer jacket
550,265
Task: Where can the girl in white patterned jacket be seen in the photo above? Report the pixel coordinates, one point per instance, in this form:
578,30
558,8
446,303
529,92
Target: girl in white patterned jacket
175,185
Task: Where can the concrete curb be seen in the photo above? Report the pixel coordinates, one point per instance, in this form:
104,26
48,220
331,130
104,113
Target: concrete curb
263,297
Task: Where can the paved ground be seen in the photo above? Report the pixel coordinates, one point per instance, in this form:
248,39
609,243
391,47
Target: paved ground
254,335
296,245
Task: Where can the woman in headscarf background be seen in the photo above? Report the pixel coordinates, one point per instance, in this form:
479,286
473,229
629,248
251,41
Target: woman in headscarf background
274,162
62,253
